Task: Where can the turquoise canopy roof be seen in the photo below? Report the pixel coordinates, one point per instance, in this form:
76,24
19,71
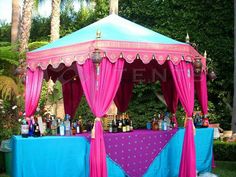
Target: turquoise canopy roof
112,27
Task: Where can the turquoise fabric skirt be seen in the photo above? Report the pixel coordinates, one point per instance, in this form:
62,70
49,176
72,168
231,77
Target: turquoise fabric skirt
69,156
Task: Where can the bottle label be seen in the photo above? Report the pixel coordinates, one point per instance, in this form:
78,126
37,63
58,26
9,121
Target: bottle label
110,129
124,129
77,129
24,129
127,128
62,130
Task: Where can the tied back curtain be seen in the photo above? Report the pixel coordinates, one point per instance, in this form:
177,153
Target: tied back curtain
123,95
201,91
33,86
183,77
99,89
72,94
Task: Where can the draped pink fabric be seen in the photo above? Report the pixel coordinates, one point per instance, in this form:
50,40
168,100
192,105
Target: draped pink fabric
183,77
34,80
99,91
72,94
123,96
170,95
201,91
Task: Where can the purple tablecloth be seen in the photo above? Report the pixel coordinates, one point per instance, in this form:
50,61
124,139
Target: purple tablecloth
135,151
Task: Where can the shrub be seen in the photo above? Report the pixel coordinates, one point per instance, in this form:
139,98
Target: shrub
37,44
224,151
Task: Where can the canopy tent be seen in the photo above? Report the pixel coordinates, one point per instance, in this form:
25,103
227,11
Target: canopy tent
130,53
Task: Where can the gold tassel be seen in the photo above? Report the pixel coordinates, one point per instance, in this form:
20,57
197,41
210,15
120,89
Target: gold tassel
93,129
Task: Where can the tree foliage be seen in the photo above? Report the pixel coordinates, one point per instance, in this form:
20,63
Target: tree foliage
209,24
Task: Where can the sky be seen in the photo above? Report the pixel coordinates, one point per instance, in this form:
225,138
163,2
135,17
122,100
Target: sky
44,9
5,10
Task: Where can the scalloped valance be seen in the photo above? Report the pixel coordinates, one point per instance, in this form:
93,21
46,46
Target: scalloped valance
112,50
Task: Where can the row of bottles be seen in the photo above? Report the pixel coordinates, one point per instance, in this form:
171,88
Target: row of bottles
67,128
161,122
30,128
51,125
200,121
120,123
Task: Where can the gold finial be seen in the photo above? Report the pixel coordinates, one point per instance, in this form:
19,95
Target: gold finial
98,34
205,54
187,40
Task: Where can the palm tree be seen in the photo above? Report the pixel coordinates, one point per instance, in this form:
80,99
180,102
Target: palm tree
114,6
25,25
55,20
234,104
15,21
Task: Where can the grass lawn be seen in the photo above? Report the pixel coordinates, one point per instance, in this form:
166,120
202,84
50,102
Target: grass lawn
223,169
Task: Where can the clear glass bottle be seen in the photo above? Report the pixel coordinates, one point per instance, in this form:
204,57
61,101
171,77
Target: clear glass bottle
24,129
62,129
67,126
110,127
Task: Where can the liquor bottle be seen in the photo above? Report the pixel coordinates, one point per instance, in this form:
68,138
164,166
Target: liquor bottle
78,128
167,120
159,122
110,127
205,122
123,125
36,129
48,121
67,126
164,125
114,125
62,129
89,126
73,127
119,122
54,126
154,123
127,121
31,127
58,126
82,128
131,126
24,129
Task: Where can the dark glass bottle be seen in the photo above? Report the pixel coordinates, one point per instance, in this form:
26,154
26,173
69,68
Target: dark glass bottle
114,126
36,129
119,125
127,121
110,127
58,126
123,125
78,128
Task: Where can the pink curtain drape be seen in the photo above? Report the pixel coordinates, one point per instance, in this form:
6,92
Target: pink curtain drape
201,91
33,86
170,95
72,94
123,95
183,77
99,89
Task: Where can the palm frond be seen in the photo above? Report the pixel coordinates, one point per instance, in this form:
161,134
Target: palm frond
8,54
8,88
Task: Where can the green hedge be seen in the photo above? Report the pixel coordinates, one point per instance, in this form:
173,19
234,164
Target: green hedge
224,151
